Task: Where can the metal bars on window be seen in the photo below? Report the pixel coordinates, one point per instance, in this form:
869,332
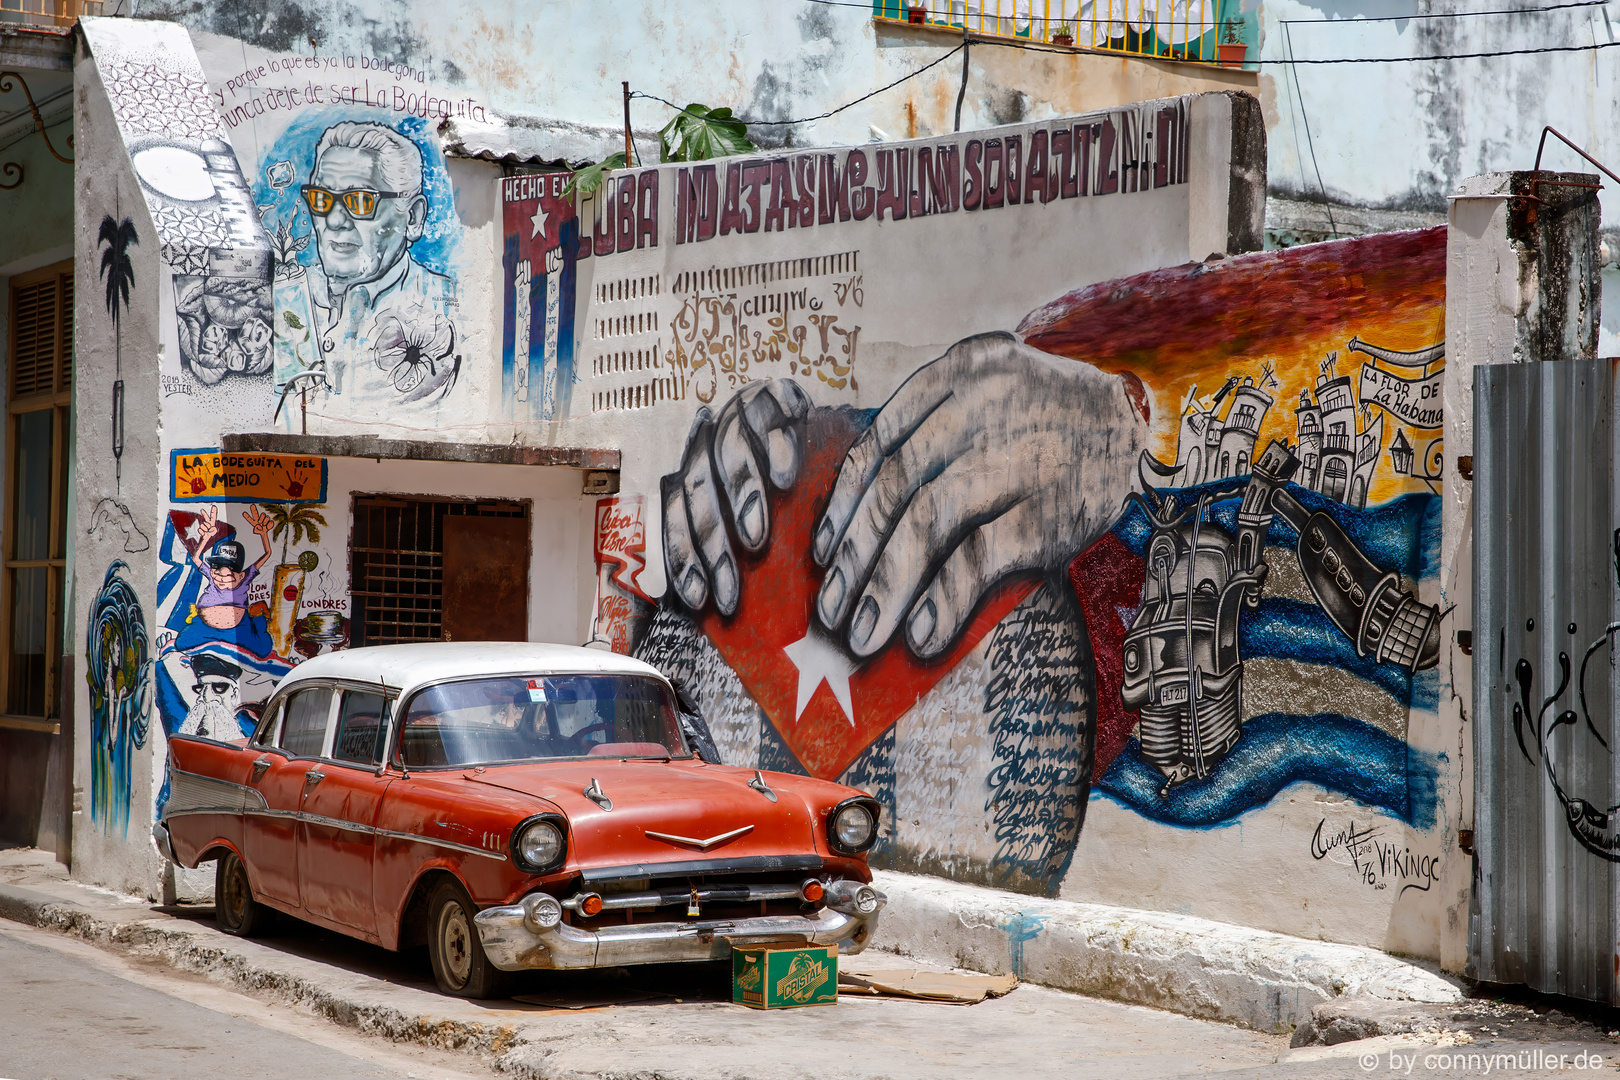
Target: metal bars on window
1168,29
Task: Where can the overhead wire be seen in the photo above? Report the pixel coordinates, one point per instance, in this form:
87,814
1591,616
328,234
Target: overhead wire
1033,18
819,116
1349,59
1290,60
1288,39
1455,14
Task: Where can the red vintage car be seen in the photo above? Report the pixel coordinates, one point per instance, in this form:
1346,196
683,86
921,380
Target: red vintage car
511,806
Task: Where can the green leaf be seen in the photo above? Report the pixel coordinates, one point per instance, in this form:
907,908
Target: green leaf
292,320
587,180
701,132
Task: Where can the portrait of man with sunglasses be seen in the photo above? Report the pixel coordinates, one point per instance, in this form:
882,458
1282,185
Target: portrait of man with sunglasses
366,203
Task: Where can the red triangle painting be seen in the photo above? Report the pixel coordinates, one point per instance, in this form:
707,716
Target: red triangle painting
781,653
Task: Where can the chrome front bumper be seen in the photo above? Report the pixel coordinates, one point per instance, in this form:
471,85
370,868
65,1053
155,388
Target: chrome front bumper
512,944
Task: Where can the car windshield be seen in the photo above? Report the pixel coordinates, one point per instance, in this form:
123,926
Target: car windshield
528,718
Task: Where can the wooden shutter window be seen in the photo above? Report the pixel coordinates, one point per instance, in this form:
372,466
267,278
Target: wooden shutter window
41,334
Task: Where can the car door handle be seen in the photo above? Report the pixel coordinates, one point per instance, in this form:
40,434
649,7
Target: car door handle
258,768
313,777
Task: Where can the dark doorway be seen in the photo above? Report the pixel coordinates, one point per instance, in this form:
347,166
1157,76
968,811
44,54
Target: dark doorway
438,570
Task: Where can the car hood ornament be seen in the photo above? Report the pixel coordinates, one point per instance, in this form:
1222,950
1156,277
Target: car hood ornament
701,845
596,795
758,784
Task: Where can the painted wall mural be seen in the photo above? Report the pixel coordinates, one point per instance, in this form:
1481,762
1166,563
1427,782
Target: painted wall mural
233,622
538,262
207,229
1087,556
366,315
117,271
118,670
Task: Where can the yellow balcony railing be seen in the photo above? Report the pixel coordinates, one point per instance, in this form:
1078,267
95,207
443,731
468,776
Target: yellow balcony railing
1168,29
48,12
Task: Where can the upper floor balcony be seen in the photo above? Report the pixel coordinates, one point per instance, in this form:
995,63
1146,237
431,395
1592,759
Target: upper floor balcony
48,13
1187,30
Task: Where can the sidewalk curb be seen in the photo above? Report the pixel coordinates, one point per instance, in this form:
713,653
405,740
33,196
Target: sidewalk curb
1203,969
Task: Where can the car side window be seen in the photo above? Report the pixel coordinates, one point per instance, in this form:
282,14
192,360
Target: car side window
269,727
362,723
303,732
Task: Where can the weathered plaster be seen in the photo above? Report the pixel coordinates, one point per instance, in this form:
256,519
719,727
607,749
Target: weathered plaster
1403,135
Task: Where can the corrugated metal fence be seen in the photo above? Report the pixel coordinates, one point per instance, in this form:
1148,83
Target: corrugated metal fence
1546,555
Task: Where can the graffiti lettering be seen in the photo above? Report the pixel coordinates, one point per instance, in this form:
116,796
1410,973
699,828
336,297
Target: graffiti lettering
1377,863
1138,151
1036,700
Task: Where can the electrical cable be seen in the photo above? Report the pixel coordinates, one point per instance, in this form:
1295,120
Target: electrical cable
1342,60
1291,60
820,116
1454,14
1288,39
1033,18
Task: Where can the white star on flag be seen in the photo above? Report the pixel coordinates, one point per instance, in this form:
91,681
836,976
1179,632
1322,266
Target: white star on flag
819,661
539,221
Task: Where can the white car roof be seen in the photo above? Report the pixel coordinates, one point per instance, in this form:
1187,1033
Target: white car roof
405,667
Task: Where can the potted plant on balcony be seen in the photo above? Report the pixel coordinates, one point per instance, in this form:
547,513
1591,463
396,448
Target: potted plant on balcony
916,13
1231,50
1063,35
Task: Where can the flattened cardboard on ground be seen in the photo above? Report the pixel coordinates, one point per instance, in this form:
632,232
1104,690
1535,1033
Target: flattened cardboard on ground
945,986
576,1002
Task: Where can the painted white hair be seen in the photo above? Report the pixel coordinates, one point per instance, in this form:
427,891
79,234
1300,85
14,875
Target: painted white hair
399,157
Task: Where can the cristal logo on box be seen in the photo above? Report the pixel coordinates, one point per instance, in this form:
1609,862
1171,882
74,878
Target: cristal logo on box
752,978
804,978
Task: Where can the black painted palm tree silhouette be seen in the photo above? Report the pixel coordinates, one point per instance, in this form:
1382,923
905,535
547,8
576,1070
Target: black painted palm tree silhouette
116,268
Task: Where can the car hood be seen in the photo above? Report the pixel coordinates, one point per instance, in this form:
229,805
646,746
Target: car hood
697,802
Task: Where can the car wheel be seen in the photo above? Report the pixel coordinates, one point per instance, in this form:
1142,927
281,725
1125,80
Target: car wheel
459,964
235,910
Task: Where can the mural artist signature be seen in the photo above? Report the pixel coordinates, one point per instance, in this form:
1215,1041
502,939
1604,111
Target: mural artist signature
1377,862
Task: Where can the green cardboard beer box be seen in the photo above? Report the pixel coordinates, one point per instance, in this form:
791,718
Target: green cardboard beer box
783,975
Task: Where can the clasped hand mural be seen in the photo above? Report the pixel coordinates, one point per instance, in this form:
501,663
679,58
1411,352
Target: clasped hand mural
1183,613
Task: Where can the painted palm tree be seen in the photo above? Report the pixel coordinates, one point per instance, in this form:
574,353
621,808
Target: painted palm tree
294,522
119,272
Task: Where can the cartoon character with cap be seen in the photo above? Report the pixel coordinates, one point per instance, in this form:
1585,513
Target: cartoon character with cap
219,694
221,609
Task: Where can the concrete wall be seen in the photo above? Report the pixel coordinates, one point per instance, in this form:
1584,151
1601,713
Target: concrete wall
117,775
884,504
781,62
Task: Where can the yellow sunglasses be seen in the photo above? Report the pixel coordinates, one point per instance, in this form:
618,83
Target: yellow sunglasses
359,202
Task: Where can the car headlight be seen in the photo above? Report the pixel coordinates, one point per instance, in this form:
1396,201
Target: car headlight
852,825
540,843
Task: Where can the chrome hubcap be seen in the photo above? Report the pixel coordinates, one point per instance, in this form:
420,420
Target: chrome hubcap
235,892
456,943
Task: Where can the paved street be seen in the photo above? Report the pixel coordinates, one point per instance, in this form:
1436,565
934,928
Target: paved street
85,1012
74,1011
81,1011
162,994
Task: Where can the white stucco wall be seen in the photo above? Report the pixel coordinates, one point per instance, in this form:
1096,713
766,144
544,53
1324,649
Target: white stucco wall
1402,135
111,829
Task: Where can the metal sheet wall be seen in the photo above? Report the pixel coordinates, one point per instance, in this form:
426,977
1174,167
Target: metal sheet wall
1545,782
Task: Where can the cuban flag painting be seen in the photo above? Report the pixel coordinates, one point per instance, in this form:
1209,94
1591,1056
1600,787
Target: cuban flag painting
540,245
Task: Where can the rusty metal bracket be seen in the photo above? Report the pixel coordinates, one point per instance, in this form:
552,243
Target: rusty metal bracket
1550,130
11,170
